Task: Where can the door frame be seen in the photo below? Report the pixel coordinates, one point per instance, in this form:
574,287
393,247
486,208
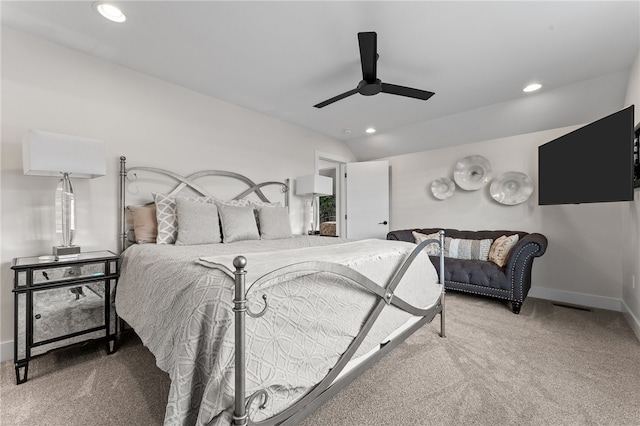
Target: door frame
339,163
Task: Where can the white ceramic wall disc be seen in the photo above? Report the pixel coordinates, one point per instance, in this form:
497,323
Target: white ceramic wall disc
443,188
472,172
511,188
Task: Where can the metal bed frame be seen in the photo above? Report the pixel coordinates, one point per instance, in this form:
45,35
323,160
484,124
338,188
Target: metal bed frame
188,182
328,386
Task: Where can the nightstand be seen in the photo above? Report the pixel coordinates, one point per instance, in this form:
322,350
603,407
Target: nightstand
62,302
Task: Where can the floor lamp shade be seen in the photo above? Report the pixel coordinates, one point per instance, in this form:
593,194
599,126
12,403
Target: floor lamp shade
314,185
53,154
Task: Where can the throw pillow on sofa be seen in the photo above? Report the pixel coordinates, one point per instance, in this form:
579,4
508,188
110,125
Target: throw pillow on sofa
432,249
468,249
500,249
456,248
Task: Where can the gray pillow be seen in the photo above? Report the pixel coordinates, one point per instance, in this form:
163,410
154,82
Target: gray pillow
238,223
166,216
197,222
274,223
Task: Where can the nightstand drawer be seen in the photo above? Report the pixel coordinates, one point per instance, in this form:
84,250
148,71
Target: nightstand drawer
67,310
67,272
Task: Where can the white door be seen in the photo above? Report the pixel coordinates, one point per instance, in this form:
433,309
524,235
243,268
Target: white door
367,188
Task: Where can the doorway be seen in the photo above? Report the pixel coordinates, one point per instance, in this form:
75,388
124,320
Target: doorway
332,206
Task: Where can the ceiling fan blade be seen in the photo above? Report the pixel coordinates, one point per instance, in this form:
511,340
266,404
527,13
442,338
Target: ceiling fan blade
406,91
368,55
336,98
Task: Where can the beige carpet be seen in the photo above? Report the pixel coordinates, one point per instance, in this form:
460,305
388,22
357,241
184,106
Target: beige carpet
549,365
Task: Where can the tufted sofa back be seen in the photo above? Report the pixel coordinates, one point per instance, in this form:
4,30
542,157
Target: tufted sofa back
406,234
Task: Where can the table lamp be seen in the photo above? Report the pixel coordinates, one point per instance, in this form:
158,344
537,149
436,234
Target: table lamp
52,154
314,185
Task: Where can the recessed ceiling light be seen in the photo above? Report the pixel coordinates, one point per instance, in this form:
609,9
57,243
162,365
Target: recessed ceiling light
532,87
370,130
346,131
110,12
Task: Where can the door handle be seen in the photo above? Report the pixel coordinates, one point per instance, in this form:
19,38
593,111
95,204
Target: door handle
382,223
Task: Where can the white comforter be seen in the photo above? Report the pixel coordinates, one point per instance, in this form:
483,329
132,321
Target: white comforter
182,311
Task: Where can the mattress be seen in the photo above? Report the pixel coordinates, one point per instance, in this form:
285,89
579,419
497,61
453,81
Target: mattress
182,311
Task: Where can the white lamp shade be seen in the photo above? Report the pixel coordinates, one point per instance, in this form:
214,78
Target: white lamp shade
49,154
314,184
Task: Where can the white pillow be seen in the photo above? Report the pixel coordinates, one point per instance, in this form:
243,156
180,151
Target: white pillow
197,223
238,223
274,223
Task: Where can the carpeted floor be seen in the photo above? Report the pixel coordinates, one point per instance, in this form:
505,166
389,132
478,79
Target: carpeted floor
550,365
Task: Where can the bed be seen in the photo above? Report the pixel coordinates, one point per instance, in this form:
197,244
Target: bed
263,331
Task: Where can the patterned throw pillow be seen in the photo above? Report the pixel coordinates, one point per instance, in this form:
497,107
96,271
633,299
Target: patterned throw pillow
500,249
432,249
467,249
455,247
166,216
243,202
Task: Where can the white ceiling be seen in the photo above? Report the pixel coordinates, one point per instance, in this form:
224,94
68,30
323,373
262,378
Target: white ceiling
281,58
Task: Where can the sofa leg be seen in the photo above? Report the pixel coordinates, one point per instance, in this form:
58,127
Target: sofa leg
515,307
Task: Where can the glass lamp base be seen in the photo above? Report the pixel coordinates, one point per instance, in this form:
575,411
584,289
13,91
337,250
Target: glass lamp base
65,212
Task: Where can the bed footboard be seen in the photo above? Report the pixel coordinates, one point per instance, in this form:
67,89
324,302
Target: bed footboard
327,387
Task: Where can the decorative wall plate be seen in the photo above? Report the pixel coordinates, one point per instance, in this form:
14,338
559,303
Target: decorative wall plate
443,188
472,172
511,188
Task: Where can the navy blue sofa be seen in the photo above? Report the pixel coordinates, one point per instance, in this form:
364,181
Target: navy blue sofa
511,282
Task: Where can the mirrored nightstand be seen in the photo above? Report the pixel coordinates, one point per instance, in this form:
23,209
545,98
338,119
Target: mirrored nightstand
62,302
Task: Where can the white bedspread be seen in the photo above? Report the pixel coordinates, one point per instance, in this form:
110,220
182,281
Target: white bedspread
182,311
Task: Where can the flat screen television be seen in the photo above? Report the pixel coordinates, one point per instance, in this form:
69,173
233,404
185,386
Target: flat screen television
592,164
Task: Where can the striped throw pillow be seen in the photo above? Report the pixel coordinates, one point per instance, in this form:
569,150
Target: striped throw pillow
467,249
456,248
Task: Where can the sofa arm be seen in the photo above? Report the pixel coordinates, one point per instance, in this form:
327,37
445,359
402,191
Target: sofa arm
520,262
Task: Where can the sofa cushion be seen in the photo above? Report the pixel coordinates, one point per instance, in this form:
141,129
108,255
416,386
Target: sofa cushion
473,272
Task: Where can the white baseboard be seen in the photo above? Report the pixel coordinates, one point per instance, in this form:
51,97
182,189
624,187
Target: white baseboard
633,321
6,351
580,299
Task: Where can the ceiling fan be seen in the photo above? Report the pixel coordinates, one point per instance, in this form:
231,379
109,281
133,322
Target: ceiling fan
371,84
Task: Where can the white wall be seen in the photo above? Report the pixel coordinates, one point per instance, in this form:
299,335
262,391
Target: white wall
151,122
582,264
631,225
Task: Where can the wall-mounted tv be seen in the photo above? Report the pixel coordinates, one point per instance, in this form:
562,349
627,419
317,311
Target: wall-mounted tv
593,164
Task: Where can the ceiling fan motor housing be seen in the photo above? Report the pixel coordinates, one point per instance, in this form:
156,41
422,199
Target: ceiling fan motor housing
368,89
